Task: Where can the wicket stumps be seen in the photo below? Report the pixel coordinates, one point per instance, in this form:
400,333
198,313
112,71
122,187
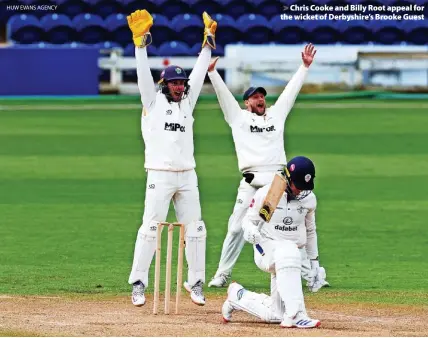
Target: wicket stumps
168,266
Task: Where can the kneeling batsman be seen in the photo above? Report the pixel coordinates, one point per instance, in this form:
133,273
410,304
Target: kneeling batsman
281,218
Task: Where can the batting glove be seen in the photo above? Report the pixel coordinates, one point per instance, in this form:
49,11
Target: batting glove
252,235
140,23
209,31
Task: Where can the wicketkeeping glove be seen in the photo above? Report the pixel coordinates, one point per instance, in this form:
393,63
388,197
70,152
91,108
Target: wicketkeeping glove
317,277
209,31
140,23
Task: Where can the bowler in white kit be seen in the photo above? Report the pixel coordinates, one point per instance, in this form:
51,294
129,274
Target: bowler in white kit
167,129
291,227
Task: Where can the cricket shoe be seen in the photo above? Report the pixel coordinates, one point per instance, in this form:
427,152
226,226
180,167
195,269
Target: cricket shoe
138,298
219,281
196,292
233,292
300,321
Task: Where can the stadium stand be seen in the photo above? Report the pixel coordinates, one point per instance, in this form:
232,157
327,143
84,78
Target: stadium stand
91,22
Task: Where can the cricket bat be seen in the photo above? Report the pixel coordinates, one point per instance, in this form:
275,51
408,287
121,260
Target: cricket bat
277,188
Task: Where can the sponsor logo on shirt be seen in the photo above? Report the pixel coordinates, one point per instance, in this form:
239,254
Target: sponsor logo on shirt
175,127
285,228
257,129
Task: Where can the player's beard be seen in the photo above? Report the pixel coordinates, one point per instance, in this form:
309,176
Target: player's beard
258,109
177,93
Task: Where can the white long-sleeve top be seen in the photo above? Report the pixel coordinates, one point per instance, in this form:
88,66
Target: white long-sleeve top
259,140
293,220
167,127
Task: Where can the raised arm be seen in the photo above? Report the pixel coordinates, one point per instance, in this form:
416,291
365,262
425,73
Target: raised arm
140,23
197,77
287,98
145,80
228,104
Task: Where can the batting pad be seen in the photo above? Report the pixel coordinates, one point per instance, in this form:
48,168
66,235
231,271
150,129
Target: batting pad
288,268
257,304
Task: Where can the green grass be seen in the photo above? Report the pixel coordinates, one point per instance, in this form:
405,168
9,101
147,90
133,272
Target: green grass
72,192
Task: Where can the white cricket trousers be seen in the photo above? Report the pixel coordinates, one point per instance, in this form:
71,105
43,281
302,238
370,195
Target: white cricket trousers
182,188
234,241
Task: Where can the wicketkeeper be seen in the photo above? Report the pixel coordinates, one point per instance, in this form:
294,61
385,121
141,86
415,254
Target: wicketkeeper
292,226
167,129
258,133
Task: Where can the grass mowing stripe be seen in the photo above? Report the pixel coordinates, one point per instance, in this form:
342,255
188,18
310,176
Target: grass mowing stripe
81,191
131,167
102,145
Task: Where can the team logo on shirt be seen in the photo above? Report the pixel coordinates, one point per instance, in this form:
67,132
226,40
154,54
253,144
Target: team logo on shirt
257,129
300,209
175,127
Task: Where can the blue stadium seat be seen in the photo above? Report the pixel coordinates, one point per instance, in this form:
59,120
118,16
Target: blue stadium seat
386,32
189,28
107,45
287,31
199,6
73,44
267,8
72,8
388,2
321,2
24,29
416,32
162,30
117,27
236,8
355,32
152,51
174,48
132,5
287,2
104,8
219,51
255,28
90,28
322,31
129,50
58,28
227,30
173,8
33,45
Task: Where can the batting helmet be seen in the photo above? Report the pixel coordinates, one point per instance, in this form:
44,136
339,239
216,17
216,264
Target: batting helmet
173,73
301,171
